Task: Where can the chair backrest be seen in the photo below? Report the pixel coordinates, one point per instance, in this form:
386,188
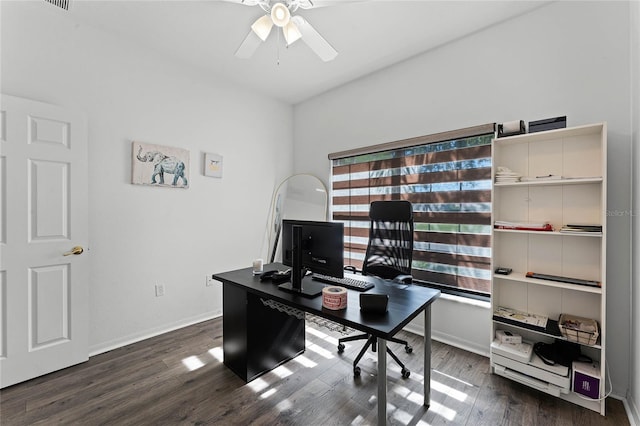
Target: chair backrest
390,248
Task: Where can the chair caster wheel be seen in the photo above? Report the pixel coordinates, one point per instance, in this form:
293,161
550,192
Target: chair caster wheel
405,373
356,371
408,349
340,348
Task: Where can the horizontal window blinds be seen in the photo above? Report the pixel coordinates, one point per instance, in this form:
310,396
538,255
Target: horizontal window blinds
448,183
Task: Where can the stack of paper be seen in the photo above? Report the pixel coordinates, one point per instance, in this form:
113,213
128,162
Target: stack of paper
523,226
581,228
506,175
513,316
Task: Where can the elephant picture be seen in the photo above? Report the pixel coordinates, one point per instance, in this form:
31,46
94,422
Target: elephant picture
152,162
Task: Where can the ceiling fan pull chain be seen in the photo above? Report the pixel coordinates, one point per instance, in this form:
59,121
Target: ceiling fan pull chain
278,50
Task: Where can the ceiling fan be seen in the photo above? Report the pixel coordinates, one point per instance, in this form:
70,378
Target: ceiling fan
294,28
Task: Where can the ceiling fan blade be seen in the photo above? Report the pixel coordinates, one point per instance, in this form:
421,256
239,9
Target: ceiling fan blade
313,4
314,40
262,27
291,33
244,2
248,46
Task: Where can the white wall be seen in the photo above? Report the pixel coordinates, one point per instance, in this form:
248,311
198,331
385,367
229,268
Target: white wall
140,234
567,58
634,389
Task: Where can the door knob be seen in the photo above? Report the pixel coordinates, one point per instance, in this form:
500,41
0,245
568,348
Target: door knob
76,250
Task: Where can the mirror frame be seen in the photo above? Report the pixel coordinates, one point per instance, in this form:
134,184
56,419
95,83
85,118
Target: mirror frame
274,221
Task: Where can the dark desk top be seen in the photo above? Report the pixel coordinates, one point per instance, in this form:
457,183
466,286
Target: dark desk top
405,301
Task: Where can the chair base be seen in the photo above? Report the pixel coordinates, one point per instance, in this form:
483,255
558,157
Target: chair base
372,341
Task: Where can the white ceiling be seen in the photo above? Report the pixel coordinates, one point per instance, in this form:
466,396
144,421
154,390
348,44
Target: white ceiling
368,35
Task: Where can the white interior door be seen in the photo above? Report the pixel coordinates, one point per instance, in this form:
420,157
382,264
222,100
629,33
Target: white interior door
43,195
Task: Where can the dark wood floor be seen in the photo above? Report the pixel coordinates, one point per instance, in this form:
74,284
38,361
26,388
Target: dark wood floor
179,378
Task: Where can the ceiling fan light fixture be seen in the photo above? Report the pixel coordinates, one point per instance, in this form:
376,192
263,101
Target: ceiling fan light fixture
262,27
291,33
280,15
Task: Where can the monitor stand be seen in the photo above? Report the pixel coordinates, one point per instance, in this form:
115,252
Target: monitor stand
308,288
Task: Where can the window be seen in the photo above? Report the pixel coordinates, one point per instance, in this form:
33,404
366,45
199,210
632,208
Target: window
447,178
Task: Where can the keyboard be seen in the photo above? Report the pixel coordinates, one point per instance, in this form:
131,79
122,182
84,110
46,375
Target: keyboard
347,282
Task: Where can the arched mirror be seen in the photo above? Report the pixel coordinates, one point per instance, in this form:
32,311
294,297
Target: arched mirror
300,196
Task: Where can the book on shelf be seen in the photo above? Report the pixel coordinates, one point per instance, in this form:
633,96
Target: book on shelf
568,280
568,228
515,317
523,226
556,177
539,178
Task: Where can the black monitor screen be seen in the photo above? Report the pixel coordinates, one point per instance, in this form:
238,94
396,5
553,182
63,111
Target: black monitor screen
322,246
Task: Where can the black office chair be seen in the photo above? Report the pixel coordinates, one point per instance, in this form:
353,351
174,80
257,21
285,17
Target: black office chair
389,254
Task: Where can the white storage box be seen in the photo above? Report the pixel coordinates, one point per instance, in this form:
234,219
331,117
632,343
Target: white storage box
538,370
520,352
505,336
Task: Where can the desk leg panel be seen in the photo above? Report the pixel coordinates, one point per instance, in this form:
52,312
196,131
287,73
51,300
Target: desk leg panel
274,337
234,329
256,338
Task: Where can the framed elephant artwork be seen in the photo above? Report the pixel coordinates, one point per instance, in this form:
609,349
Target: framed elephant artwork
159,165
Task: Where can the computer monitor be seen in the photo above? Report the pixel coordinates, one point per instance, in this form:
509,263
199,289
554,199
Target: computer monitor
314,246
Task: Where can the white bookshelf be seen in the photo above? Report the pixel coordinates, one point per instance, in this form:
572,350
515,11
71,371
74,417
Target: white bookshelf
576,194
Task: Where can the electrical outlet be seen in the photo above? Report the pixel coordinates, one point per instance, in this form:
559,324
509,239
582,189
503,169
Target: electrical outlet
208,280
159,289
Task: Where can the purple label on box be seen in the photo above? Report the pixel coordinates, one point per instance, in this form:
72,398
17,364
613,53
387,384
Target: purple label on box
588,386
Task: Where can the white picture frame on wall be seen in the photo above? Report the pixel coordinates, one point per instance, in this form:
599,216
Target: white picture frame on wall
213,165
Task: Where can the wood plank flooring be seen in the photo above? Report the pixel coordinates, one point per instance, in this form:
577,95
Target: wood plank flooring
178,378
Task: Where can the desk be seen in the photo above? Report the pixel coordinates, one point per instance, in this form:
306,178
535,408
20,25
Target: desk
257,338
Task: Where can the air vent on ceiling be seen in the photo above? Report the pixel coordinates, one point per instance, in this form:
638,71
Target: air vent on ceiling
63,4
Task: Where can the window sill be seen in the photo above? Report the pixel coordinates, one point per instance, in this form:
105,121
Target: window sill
466,300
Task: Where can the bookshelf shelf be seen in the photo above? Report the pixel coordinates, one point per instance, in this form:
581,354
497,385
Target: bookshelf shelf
552,330
578,154
554,182
552,233
521,277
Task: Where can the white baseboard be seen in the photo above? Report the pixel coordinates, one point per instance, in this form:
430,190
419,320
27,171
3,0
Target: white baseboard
137,337
633,413
450,340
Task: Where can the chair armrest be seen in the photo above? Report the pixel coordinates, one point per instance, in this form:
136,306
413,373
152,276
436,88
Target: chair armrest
404,279
352,269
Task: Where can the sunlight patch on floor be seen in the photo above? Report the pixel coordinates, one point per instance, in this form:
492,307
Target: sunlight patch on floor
217,353
408,394
258,385
404,417
321,335
305,362
319,350
449,391
268,393
282,371
443,411
193,363
358,420
453,378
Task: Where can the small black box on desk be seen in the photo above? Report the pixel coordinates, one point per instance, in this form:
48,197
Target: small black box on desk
548,124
